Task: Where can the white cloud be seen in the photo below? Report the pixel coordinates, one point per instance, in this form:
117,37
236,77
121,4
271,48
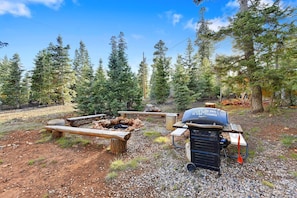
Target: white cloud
21,7
55,4
14,8
173,17
190,25
233,4
217,23
176,18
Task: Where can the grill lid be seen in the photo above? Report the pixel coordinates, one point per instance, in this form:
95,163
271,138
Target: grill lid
205,115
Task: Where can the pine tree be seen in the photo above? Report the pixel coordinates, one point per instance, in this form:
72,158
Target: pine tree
3,44
160,78
182,94
255,30
4,73
83,70
84,89
204,43
204,76
81,58
12,86
124,92
63,75
99,90
143,77
42,88
191,65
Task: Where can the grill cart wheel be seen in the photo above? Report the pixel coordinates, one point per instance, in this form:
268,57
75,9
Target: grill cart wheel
191,166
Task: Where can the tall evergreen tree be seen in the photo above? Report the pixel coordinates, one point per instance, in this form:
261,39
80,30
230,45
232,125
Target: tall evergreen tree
204,43
12,86
288,68
42,87
4,73
182,94
253,36
4,69
99,90
84,89
160,78
81,58
191,65
124,91
143,77
83,70
204,82
63,75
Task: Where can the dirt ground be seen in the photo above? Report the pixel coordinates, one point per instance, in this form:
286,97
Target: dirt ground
32,169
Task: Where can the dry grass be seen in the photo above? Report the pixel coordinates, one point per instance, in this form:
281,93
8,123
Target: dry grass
30,119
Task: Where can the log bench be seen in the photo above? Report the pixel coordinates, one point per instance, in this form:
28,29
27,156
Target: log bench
118,142
171,118
125,113
77,121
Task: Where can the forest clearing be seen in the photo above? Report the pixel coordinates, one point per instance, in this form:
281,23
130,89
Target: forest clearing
33,165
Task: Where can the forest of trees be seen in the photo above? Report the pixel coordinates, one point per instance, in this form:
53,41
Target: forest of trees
265,65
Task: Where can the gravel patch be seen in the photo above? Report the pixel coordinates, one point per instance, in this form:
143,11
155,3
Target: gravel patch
164,174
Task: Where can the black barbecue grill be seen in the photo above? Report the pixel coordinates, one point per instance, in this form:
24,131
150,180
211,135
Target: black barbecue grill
206,141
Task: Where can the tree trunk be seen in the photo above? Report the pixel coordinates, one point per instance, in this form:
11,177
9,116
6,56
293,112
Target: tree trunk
257,105
118,146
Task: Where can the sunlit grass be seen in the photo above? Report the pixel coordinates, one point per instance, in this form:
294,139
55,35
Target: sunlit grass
110,176
161,140
267,183
152,134
8,127
120,165
31,119
66,142
36,161
288,140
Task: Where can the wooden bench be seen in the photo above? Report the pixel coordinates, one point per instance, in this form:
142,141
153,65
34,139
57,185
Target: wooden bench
210,104
77,121
118,142
125,113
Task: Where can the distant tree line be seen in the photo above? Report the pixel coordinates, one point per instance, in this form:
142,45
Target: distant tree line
265,65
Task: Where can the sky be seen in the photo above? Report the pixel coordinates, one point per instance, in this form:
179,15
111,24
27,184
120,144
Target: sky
30,25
